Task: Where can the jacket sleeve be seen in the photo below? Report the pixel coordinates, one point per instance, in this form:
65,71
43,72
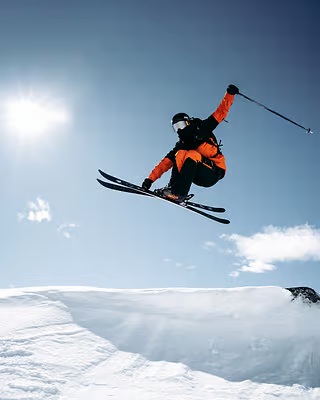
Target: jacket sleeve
219,114
164,165
223,108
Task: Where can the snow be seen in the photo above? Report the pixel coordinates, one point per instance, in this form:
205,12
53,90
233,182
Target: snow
80,343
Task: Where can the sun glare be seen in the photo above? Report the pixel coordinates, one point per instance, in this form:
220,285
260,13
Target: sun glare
31,117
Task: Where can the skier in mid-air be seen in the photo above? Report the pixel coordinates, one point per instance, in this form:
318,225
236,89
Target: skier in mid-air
196,157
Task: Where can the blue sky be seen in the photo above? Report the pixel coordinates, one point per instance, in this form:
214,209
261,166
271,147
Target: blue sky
118,71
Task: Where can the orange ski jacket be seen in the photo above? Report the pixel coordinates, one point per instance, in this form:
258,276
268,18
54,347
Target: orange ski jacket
198,136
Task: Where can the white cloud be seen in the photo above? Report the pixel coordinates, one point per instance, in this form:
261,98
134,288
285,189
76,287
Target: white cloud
209,245
179,265
67,229
38,211
261,251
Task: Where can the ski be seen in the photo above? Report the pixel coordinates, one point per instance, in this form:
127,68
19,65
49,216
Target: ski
120,188
135,188
127,189
130,190
138,190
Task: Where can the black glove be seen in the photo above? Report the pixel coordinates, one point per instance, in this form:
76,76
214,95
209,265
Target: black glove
232,89
146,184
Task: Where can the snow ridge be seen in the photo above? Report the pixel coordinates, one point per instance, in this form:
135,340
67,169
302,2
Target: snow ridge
79,342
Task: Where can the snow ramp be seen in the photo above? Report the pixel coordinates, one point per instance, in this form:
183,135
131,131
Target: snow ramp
255,333
80,343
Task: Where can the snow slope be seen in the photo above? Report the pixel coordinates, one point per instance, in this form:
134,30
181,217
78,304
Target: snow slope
87,343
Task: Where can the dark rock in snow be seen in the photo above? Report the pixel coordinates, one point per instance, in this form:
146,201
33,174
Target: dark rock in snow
307,294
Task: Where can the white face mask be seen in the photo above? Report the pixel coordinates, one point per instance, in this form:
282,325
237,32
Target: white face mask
179,125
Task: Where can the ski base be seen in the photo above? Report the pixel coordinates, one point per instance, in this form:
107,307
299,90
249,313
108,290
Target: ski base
128,187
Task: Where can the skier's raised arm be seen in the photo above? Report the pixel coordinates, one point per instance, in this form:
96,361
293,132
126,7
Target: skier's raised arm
222,110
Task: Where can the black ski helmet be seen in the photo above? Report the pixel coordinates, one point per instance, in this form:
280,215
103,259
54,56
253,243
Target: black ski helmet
179,117
180,121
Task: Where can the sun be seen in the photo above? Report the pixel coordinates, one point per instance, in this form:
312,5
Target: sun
29,116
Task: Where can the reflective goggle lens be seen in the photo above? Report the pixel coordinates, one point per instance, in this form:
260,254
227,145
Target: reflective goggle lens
179,125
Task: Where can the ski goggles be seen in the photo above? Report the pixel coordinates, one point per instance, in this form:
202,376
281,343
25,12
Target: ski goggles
180,125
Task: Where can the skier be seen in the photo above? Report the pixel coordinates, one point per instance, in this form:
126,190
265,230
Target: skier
196,157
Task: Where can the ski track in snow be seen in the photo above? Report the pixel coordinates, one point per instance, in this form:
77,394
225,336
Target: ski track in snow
77,343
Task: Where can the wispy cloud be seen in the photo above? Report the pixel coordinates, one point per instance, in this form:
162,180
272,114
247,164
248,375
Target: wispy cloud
178,264
208,245
67,229
37,211
259,253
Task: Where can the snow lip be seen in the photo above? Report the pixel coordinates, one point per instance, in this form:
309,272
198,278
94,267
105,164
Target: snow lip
251,334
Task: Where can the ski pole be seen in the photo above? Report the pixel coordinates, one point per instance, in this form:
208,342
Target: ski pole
308,130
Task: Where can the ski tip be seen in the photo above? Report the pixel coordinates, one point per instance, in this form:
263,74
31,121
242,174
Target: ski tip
223,221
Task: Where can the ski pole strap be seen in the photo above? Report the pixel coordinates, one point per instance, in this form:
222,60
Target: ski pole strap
308,130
